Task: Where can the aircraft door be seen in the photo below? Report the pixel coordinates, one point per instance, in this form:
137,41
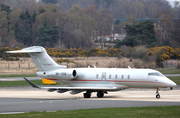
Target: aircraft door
103,77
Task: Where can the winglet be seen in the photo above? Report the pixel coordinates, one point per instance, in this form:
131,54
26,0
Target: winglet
32,84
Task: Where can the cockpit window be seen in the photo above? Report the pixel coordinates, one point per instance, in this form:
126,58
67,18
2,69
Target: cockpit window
159,74
151,74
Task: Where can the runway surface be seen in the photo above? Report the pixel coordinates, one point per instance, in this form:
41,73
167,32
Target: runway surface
26,99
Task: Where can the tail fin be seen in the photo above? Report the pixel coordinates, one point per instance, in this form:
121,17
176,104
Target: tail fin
40,57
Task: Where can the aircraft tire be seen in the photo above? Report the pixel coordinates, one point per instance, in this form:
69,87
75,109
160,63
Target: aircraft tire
86,95
100,94
158,96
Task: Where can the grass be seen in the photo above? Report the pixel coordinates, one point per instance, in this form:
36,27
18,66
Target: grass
133,112
18,83
175,79
168,70
21,83
6,76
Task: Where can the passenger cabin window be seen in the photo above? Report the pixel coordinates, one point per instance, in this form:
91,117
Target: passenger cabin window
151,74
109,76
122,76
97,76
116,76
128,77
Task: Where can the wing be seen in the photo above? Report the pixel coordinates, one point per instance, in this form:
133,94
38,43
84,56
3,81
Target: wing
74,90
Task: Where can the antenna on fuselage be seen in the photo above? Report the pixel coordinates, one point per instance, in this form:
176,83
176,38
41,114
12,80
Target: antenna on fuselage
92,66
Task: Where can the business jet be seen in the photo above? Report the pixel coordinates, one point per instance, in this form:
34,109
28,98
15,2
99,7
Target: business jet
100,80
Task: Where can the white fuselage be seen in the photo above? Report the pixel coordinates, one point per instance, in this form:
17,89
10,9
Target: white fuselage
98,80
107,77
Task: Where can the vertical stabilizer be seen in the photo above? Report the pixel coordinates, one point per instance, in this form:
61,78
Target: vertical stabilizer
40,57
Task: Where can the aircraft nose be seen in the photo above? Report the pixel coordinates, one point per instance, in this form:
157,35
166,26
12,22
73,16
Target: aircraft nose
171,83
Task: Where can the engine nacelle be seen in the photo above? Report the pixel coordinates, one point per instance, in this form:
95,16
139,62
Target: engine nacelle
62,74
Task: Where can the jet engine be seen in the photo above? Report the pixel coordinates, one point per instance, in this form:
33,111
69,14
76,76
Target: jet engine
63,74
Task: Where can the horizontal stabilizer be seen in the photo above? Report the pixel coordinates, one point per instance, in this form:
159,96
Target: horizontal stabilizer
25,51
40,57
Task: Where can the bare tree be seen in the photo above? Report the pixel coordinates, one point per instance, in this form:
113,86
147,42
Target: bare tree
104,24
165,25
3,27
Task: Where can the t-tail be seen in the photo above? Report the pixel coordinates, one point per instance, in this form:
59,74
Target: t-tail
40,57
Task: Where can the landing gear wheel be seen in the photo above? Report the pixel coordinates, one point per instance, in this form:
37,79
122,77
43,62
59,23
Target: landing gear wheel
158,96
100,94
87,94
157,93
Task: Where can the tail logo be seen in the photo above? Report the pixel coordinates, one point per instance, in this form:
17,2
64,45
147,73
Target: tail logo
48,64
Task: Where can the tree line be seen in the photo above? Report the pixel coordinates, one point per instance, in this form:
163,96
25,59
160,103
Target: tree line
48,26
73,23
163,53
120,8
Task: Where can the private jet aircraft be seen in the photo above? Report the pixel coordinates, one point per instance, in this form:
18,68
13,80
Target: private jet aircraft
100,80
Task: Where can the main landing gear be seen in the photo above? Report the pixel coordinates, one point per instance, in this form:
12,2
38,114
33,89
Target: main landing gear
87,94
100,94
157,93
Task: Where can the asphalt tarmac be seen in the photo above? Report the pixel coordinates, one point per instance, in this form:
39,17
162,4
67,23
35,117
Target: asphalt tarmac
27,99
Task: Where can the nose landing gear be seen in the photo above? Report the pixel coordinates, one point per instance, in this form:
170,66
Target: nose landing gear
157,93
